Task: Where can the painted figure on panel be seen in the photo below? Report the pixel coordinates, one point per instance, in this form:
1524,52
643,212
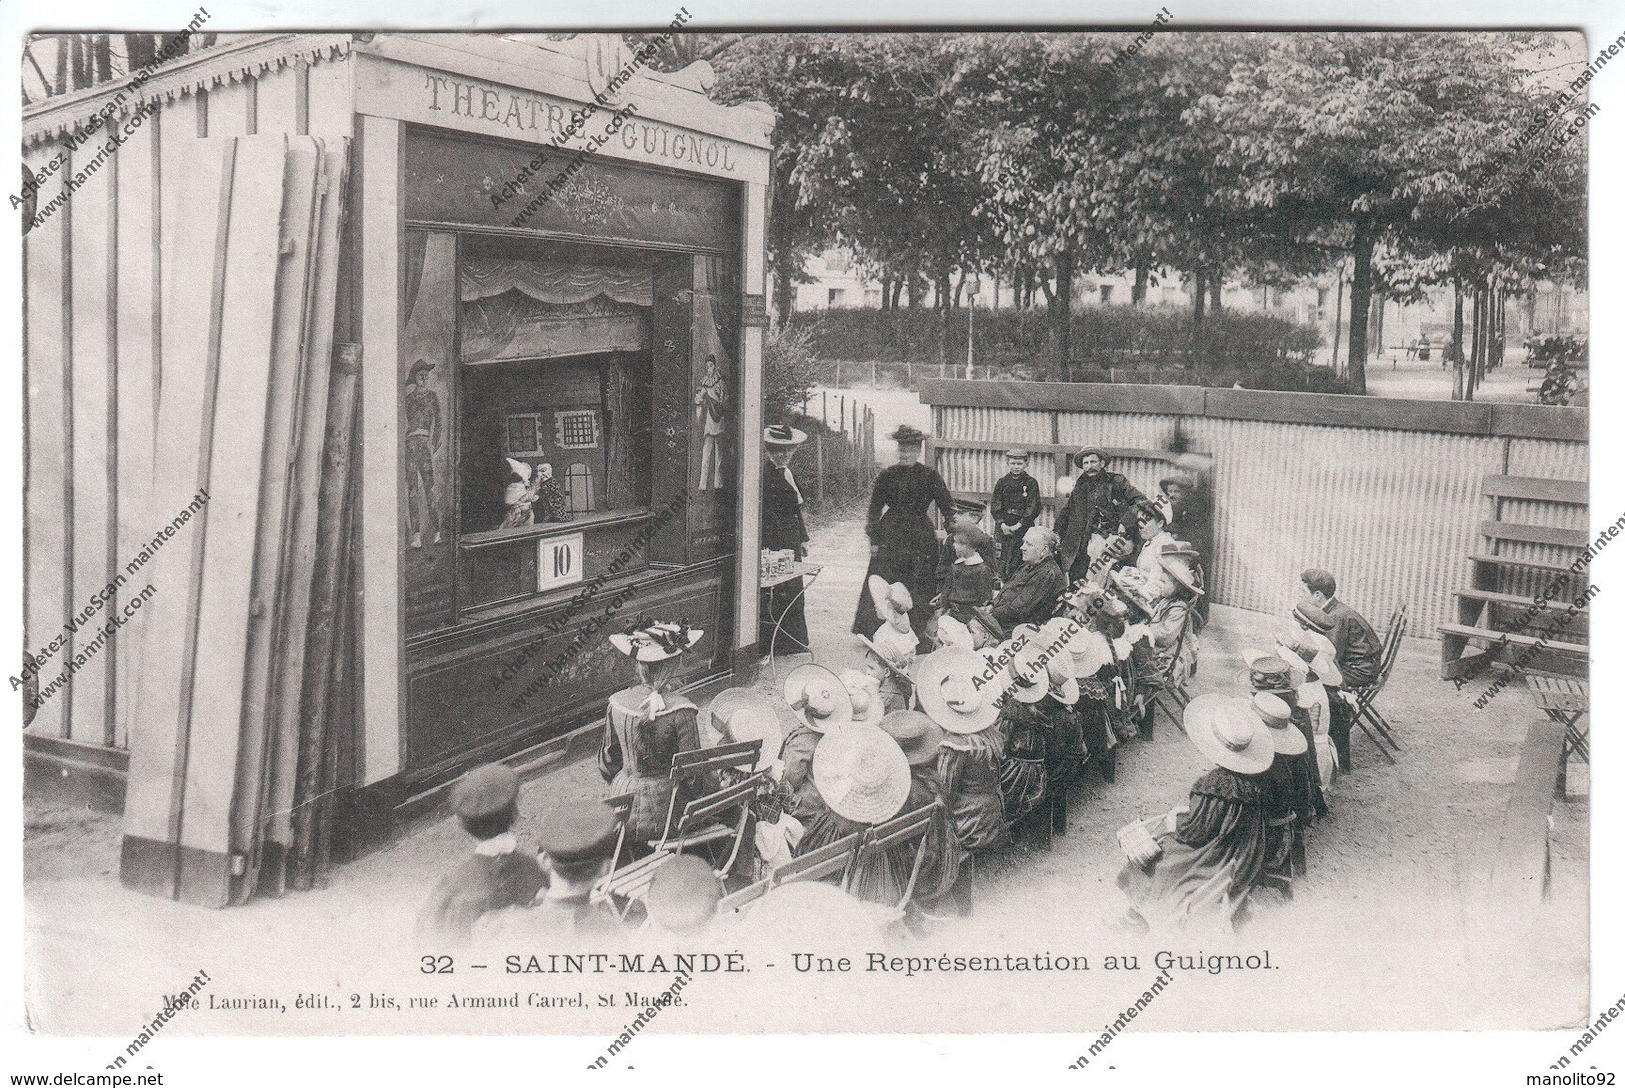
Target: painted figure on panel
710,401
422,441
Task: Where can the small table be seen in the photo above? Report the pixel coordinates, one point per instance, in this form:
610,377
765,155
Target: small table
807,572
1565,702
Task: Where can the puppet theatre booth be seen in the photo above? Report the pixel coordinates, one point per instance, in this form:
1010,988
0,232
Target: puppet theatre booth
373,382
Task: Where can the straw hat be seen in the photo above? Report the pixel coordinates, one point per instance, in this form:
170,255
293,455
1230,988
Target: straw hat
1266,672
959,689
1028,672
1227,731
730,701
1063,686
864,691
818,697
756,723
1286,738
1130,593
891,601
916,734
861,773
1312,617
1090,651
657,641
953,635
1181,564
782,434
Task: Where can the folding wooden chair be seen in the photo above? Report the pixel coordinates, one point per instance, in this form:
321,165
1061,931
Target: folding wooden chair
699,824
727,764
696,826
901,829
1366,715
745,896
1171,691
828,860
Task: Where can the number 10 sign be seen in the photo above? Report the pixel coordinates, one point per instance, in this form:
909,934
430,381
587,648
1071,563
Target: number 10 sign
558,561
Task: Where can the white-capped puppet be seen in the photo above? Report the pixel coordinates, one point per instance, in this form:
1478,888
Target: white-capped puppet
524,488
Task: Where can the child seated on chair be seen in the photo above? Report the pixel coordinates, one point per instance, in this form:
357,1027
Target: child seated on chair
970,582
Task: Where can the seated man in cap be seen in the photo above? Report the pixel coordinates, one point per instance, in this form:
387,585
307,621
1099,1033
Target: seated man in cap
1359,650
1033,592
1096,507
498,875
1016,506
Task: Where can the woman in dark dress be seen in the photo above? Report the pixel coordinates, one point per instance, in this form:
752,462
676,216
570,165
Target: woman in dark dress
783,606
903,544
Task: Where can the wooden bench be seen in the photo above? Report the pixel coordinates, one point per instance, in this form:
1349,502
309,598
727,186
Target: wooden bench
1498,610
1541,653
1521,871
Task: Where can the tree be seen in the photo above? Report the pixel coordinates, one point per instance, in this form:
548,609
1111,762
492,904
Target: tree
1358,140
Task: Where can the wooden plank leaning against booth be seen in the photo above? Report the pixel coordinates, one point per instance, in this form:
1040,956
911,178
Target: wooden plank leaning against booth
1386,494
210,750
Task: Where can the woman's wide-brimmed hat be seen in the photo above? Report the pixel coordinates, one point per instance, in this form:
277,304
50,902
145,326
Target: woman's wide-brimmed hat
657,641
1266,672
1227,731
1286,738
915,733
890,600
907,435
782,434
959,689
1091,651
864,691
1179,479
818,697
861,773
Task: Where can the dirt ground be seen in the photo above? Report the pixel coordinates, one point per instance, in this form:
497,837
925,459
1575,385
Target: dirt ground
1383,933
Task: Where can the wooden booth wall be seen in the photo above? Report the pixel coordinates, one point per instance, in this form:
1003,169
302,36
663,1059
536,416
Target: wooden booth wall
1386,494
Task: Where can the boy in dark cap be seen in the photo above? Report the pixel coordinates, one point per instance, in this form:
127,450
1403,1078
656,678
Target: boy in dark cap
486,802
576,844
1016,506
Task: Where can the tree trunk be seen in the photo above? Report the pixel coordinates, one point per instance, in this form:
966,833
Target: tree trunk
1142,279
945,296
1337,318
1198,297
102,48
1459,383
897,293
1375,335
61,82
1061,314
784,291
1365,240
139,51
959,288
80,61
1215,291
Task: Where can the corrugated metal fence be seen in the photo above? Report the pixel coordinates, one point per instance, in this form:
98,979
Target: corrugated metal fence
1386,494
